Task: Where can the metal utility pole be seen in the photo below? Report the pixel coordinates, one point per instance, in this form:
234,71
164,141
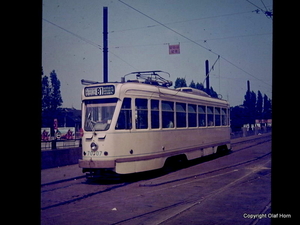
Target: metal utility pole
248,86
207,76
105,44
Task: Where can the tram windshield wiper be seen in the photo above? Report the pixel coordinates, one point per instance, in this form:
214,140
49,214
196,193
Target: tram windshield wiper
91,123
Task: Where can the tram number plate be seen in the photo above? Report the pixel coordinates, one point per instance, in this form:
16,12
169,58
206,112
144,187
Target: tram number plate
99,91
91,153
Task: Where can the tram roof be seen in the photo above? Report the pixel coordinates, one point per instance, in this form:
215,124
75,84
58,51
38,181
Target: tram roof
137,89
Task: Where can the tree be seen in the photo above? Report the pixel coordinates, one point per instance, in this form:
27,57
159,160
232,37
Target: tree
51,98
250,107
212,92
237,117
55,94
259,106
192,84
45,94
267,111
200,86
180,82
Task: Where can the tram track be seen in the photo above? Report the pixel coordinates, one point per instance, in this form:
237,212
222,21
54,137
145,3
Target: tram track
209,172
180,206
84,196
211,195
63,180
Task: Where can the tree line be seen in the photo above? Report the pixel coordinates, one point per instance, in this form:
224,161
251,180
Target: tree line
255,107
181,82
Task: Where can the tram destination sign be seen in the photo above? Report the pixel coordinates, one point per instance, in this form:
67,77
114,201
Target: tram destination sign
99,90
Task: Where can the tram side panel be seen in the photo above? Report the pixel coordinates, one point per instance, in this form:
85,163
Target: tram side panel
129,151
138,151
195,143
142,151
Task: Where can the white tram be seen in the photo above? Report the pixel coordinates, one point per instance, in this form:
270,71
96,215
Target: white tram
137,125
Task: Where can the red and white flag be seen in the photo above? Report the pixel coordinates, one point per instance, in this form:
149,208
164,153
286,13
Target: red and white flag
174,49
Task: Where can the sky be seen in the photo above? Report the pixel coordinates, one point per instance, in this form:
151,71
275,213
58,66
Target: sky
140,32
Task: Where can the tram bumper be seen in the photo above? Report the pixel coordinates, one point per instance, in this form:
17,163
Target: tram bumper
107,164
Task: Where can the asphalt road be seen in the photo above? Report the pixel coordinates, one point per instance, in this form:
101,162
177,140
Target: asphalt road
229,189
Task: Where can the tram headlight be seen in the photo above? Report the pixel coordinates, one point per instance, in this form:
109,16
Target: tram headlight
94,146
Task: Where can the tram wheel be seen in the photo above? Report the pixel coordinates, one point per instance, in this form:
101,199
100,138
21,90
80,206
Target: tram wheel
175,163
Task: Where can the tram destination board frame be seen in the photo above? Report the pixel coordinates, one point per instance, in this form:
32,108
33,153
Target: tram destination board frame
99,90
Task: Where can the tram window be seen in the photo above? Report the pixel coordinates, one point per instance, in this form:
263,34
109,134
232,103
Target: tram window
125,117
217,117
202,116
210,116
141,120
167,114
180,114
99,113
192,115
154,114
224,117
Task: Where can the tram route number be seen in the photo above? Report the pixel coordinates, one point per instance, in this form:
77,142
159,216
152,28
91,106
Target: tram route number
99,91
91,153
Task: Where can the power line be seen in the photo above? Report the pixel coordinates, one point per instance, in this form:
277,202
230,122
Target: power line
191,41
182,21
267,12
168,28
202,40
76,35
87,41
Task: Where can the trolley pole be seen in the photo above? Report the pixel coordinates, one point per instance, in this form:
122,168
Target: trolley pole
105,44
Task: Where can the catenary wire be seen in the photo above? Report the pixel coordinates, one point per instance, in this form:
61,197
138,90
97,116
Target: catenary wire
182,21
87,41
215,53
76,35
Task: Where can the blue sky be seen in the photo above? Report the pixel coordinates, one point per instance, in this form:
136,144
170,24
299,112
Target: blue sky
72,42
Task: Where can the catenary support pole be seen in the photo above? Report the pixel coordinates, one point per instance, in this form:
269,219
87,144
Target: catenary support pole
207,76
105,44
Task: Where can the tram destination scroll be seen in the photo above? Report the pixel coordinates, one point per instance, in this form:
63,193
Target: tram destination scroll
99,90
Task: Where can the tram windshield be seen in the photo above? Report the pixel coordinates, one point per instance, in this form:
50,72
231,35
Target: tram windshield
99,113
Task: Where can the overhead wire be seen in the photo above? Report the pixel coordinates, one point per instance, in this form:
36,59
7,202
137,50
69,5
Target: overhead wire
182,21
168,27
87,41
202,40
76,35
196,43
267,13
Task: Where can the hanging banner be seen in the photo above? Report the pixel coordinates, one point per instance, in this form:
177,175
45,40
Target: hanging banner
174,49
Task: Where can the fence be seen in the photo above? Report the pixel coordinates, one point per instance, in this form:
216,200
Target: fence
60,144
73,143
244,132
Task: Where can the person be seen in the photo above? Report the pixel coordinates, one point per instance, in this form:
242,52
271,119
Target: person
171,124
69,135
45,136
